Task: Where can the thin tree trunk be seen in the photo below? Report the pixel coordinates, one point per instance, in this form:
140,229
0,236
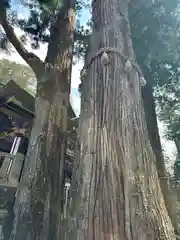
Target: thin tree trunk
118,195
38,202
151,120
152,126
176,139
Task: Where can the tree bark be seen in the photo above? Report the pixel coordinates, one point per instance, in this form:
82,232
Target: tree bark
152,126
118,195
38,201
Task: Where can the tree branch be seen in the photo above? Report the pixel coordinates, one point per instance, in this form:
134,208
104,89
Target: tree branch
31,59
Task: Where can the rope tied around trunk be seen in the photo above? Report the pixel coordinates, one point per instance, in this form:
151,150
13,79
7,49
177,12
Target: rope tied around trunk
129,62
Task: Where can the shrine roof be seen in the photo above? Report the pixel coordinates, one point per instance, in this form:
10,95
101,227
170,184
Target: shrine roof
26,99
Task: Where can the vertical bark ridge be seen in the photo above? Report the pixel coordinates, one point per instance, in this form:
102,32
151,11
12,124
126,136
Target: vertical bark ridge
119,195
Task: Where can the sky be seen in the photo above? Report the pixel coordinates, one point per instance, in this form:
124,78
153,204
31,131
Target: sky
168,146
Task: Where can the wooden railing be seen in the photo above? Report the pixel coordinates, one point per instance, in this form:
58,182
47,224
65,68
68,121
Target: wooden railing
10,168
11,165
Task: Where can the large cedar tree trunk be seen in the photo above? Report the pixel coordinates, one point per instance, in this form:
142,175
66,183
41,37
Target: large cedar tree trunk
153,131
118,195
38,202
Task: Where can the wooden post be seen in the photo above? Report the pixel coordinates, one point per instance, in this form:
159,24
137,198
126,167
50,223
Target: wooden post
16,170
